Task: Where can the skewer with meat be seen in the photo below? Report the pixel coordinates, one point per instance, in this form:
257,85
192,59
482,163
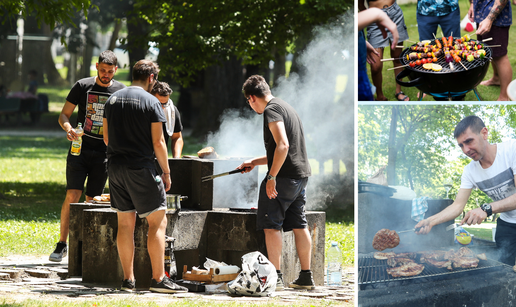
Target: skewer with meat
385,238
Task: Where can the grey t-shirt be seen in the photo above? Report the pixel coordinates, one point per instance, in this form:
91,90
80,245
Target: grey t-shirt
296,164
130,113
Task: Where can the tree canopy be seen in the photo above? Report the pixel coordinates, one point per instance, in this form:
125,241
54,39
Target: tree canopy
50,12
193,35
427,153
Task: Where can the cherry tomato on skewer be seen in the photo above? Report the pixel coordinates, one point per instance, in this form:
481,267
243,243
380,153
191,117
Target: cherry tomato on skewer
412,64
418,62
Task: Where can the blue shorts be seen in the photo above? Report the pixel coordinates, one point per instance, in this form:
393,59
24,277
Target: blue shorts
374,34
427,25
91,164
136,190
287,210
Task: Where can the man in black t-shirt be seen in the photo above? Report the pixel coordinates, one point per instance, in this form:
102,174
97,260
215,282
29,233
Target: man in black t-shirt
133,124
282,198
173,127
90,95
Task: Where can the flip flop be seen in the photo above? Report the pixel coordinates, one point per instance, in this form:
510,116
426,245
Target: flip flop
401,93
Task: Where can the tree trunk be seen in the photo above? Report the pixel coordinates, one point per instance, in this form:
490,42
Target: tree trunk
137,31
88,50
8,52
222,90
392,152
114,36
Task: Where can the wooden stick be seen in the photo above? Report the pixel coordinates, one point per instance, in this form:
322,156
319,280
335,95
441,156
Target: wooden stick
487,39
391,59
463,66
410,41
400,46
434,36
398,67
493,46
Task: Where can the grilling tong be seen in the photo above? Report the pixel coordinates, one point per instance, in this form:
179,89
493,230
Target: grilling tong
452,226
235,171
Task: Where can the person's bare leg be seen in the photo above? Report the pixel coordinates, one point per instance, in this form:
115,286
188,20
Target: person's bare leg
274,244
376,75
303,247
495,79
397,63
156,243
125,242
505,75
72,196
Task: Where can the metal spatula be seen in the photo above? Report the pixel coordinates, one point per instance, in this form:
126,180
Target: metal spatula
413,230
452,226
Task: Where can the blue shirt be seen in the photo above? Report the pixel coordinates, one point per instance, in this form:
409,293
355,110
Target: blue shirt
483,7
436,7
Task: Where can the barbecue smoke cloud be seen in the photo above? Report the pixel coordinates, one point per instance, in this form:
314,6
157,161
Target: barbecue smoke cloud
322,94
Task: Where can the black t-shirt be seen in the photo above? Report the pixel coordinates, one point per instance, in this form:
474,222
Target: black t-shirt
90,98
296,164
130,113
178,125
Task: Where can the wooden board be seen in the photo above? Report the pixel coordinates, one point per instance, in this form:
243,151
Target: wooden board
208,278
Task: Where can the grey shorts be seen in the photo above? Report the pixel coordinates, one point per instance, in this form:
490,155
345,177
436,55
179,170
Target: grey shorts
136,190
374,34
287,210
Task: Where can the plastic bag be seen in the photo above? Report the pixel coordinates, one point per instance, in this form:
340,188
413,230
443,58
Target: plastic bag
257,278
467,25
462,236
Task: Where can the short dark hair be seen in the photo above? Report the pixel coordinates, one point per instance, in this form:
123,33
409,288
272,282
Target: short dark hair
161,88
473,122
143,69
257,86
108,57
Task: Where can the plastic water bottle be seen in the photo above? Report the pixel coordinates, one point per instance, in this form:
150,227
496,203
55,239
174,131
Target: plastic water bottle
77,144
334,269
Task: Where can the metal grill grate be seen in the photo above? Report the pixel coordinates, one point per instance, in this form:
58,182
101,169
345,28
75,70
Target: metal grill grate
446,67
371,270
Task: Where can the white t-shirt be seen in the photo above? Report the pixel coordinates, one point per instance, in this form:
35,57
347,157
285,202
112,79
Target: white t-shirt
497,181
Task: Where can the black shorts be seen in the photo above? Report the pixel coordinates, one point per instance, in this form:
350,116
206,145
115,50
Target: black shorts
136,190
505,238
91,164
287,210
500,37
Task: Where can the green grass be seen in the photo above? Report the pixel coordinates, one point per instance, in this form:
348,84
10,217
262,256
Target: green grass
487,93
32,189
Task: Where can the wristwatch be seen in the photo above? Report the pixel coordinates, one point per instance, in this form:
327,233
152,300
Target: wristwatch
270,177
487,209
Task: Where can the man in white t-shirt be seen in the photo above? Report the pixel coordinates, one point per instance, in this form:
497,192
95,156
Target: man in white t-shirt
493,171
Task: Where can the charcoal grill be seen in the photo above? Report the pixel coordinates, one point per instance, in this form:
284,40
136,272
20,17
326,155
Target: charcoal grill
446,83
373,272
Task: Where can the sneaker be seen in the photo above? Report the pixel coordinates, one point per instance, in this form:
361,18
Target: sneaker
128,285
304,281
279,283
59,253
166,286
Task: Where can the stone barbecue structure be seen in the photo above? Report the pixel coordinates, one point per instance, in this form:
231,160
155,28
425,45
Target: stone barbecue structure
201,230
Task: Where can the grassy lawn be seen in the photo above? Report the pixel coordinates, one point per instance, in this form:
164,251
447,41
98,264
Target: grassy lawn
487,93
32,188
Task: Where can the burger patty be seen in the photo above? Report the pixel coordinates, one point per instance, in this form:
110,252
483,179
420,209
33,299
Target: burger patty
408,269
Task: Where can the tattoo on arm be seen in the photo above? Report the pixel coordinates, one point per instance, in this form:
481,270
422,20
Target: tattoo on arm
496,10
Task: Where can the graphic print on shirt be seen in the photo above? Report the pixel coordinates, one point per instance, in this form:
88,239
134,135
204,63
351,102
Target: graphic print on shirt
500,186
94,113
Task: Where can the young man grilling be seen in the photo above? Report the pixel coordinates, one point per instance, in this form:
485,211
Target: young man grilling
493,171
282,198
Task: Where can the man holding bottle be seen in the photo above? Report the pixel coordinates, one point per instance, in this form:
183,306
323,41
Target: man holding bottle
90,95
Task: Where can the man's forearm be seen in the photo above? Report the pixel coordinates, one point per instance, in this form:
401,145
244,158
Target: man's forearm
504,205
496,10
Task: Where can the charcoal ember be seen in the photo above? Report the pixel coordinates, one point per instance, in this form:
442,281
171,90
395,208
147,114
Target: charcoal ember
385,238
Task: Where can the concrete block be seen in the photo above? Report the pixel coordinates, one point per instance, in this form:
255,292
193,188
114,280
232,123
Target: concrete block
75,236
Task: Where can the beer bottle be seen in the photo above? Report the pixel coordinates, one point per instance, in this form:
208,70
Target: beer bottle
77,144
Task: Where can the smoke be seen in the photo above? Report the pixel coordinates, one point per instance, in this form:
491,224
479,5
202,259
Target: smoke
322,94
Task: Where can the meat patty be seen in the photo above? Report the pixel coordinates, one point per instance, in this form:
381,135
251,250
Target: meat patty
465,262
399,261
409,269
383,256
435,255
440,264
385,238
